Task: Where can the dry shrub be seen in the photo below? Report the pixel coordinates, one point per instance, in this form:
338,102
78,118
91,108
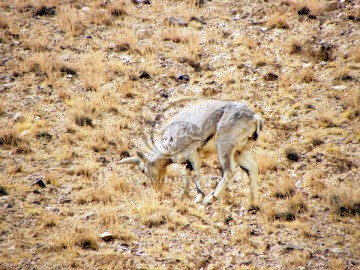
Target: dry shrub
92,71
337,264
296,259
175,35
260,59
344,201
103,195
284,187
100,16
278,20
50,220
151,211
84,238
240,234
352,101
71,20
267,160
296,204
307,76
119,184
9,138
315,7
295,47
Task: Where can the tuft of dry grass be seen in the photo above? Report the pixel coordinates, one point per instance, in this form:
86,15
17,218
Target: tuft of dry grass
283,187
344,201
9,138
80,237
71,20
175,35
240,235
278,20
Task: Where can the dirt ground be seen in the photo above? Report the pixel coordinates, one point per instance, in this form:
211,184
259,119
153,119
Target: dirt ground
84,84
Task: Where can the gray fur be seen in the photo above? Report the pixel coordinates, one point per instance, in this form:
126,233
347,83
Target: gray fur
225,128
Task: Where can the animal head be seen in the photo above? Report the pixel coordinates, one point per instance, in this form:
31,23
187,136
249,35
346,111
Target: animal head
151,165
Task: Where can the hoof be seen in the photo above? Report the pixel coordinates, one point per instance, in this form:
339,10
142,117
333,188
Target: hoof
198,198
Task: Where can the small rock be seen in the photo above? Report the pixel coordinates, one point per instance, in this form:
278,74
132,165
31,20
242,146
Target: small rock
89,215
293,156
102,159
199,20
270,76
9,205
246,263
24,133
304,11
141,2
126,59
6,86
163,94
291,248
18,117
340,87
65,200
144,75
175,22
39,182
52,209
183,78
43,134
337,250
106,236
85,10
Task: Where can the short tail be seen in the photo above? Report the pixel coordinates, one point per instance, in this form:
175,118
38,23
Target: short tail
258,127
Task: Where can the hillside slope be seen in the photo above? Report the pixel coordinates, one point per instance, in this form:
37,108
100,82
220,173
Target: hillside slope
83,83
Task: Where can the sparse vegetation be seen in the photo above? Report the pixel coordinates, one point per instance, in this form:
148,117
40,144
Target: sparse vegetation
83,82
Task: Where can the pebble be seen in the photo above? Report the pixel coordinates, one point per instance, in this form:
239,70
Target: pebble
175,22
336,251
18,117
106,236
39,182
183,78
24,133
89,215
340,87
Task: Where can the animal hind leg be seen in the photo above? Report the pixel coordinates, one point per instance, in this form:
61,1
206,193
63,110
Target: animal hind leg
226,160
194,164
248,164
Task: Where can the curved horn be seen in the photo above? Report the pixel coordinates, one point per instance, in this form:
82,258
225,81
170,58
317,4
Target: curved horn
130,160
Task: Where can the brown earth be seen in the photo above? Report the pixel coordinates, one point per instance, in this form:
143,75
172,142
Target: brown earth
83,82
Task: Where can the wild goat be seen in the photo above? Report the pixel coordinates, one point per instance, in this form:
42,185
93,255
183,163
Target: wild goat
225,128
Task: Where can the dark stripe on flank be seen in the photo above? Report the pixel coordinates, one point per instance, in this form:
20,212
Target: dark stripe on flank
245,169
189,165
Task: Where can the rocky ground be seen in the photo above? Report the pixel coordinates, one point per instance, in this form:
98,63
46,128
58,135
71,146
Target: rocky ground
84,83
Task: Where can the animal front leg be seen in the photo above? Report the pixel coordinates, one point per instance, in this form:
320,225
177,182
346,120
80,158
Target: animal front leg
226,160
185,191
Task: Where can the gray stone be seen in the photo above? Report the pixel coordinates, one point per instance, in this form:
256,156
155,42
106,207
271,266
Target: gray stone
106,236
